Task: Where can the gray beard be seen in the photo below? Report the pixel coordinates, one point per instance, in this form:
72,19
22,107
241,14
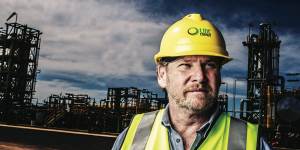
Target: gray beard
205,110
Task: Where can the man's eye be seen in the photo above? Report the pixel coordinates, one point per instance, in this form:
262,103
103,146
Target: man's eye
185,66
211,65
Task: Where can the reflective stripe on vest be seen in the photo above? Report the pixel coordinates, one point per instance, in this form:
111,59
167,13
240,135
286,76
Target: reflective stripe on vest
227,133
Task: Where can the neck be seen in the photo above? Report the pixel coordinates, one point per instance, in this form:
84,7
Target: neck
187,122
181,117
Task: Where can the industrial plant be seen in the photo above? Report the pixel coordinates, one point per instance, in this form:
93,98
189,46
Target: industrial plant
268,102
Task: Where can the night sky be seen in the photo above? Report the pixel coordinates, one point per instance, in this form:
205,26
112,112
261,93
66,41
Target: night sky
88,46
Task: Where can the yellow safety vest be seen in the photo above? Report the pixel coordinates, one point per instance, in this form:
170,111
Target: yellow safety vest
217,139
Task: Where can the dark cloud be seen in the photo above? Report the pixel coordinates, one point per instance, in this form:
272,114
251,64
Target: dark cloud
232,13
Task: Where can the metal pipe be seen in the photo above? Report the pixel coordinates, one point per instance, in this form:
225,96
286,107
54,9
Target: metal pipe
242,107
268,112
282,83
234,93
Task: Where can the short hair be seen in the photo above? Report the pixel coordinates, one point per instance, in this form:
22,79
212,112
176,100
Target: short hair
164,61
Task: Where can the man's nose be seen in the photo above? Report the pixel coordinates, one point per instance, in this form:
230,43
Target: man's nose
199,74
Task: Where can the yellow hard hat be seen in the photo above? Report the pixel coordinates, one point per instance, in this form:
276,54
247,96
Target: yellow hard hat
192,35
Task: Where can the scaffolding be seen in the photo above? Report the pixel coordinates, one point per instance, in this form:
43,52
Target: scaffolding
69,110
113,114
268,102
263,81
19,52
123,103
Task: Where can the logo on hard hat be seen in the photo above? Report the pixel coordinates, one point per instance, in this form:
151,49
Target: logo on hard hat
199,31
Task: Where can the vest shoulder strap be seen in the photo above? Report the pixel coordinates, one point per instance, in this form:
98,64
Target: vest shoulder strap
237,134
144,130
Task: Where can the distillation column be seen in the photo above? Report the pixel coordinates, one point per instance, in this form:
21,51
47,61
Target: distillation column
263,81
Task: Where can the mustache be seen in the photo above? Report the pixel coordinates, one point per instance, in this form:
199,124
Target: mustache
197,87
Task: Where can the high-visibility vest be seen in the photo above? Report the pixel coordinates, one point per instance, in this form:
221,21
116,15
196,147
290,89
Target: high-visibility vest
147,132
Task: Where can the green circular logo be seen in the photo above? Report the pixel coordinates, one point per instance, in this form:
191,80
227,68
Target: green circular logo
193,31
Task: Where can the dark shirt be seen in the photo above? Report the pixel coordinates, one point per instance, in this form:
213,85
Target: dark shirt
176,142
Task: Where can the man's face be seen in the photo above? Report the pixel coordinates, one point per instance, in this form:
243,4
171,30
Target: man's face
192,82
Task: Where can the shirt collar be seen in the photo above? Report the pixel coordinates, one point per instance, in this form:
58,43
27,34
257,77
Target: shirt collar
165,118
205,127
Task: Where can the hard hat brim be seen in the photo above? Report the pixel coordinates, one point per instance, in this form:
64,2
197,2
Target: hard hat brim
225,58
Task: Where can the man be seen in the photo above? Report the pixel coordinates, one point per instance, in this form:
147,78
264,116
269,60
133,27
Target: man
189,62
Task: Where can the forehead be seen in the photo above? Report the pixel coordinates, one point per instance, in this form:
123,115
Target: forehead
199,58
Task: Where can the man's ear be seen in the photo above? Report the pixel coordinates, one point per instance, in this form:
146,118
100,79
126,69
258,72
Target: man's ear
161,72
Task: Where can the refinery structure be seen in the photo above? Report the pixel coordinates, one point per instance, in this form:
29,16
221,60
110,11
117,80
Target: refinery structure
268,101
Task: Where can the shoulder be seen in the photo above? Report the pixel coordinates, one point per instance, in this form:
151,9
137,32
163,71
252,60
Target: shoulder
119,141
255,130
121,137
